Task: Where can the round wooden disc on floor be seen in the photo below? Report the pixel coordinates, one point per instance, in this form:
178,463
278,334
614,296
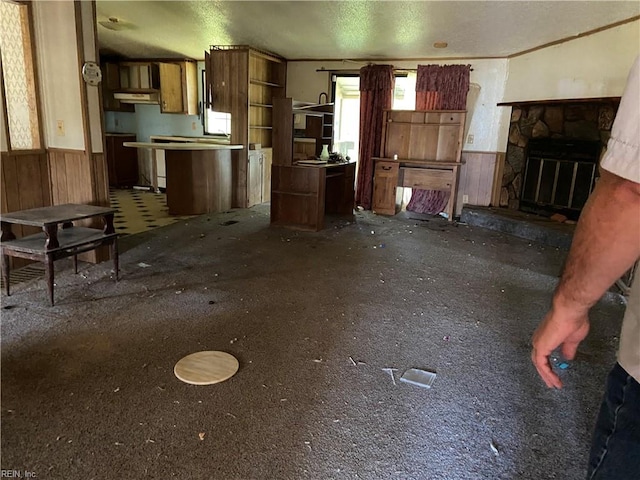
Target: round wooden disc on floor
206,368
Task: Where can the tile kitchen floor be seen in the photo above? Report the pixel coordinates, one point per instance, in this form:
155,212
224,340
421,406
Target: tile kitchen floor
140,210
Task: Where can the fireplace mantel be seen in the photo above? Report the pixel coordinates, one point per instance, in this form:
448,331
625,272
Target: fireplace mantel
560,101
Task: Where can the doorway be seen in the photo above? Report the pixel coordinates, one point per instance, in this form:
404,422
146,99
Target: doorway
346,95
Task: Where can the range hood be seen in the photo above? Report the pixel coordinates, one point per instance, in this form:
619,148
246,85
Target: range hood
146,98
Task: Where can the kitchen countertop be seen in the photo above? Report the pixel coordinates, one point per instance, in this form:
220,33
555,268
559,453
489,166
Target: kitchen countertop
182,146
175,138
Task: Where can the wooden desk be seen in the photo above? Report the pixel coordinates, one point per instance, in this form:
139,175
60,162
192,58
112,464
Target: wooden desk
390,173
302,194
420,149
52,244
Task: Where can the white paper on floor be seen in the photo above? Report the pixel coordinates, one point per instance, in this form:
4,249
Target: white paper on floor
421,378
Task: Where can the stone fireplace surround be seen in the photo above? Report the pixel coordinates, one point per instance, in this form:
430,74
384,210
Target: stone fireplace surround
582,119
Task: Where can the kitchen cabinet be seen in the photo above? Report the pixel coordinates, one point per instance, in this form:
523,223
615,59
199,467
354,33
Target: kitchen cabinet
244,82
259,176
175,82
111,85
122,162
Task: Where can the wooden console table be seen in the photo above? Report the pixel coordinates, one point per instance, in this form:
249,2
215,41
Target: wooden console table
54,244
301,194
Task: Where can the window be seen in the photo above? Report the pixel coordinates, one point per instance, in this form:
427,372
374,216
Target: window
18,76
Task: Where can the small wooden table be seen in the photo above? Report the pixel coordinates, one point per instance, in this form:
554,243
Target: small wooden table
52,244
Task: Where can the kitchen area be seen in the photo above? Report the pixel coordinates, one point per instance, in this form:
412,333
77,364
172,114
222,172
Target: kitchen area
152,113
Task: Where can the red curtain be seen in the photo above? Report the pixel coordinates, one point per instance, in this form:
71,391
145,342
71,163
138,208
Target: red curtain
376,93
438,88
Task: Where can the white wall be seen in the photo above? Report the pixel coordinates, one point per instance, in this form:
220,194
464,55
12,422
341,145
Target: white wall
486,122
56,47
588,67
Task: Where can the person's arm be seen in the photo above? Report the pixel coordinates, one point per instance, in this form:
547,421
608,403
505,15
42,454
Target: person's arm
605,245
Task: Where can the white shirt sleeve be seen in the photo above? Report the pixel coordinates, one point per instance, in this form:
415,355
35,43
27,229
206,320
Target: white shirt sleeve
623,150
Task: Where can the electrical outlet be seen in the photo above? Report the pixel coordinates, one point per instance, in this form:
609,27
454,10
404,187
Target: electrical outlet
465,198
469,138
193,126
60,128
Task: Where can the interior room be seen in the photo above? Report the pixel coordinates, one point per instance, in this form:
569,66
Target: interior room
288,186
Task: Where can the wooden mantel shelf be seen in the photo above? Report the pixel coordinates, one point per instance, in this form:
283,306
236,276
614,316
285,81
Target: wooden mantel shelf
559,101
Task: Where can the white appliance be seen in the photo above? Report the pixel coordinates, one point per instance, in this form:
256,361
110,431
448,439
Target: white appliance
145,98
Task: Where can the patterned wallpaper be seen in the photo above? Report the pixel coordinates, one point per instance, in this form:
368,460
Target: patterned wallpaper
19,82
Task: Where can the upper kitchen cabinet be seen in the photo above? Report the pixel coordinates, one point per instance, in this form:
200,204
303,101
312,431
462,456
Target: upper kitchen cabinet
243,81
171,84
111,85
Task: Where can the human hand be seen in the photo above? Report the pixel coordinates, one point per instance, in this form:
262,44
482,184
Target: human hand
559,327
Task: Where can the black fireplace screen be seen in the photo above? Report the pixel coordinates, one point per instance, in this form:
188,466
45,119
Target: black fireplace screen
559,175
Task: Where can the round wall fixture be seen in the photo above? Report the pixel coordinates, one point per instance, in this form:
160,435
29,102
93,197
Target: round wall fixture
91,73
206,368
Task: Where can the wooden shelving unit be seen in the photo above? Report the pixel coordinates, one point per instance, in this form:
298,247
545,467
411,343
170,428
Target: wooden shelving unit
243,81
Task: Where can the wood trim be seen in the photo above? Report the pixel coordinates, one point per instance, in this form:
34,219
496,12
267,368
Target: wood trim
574,37
496,190
25,152
4,108
100,97
83,86
560,101
65,150
36,75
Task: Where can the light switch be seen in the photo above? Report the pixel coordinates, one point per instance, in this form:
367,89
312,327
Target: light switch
60,128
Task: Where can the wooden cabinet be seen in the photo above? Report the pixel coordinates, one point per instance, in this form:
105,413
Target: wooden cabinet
385,198
244,82
111,85
259,176
122,162
175,82
318,128
320,125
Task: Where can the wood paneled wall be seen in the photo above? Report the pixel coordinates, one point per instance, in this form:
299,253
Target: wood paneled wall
78,177
477,178
25,184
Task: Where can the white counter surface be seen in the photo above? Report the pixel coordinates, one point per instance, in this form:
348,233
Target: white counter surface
176,138
182,146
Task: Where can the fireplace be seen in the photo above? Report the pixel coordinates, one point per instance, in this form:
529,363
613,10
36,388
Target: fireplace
552,154
559,175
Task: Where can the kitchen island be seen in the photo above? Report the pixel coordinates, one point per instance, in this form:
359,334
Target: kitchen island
199,175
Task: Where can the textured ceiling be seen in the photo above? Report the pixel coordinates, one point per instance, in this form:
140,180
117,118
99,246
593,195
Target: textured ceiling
351,29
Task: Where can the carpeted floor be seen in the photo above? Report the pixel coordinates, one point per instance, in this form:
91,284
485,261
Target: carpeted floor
88,390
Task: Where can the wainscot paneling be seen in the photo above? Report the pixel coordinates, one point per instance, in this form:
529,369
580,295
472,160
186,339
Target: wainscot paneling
25,184
476,179
77,177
